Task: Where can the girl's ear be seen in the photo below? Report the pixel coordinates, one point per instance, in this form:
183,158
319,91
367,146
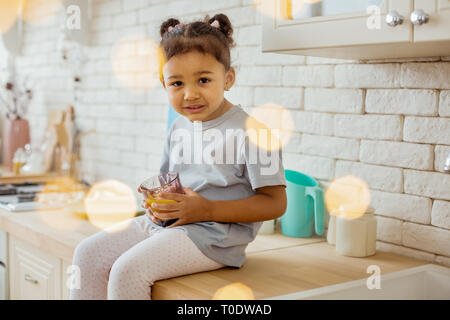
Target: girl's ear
230,78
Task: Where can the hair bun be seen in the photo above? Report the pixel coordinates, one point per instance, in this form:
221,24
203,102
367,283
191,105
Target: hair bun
224,26
166,24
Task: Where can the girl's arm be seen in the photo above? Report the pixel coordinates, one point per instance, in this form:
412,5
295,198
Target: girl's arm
269,203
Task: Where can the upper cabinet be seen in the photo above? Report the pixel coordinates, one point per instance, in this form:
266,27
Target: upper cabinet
357,29
437,28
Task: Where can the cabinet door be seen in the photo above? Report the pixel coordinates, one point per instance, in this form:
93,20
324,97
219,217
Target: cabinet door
310,24
33,273
438,26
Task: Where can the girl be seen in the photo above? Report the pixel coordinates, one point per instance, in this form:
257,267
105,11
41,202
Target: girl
224,200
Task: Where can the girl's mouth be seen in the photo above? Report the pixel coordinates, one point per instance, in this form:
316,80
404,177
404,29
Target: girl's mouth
195,109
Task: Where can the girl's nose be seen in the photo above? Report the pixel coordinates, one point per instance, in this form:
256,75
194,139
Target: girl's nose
190,93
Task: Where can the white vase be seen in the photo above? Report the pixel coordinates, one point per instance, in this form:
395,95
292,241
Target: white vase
331,233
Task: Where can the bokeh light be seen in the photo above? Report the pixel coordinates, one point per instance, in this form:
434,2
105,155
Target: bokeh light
40,12
272,126
109,202
9,12
262,8
347,197
234,291
64,193
136,63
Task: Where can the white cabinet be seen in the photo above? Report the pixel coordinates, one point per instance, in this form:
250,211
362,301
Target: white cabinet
355,29
33,274
438,26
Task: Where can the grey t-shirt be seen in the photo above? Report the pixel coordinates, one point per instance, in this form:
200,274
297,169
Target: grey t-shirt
218,160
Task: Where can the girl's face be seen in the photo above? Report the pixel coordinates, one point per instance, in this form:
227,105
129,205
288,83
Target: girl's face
195,83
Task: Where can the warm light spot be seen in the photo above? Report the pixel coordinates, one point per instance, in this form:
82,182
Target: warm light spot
110,202
234,291
9,11
269,126
62,185
136,62
40,12
60,194
347,197
263,7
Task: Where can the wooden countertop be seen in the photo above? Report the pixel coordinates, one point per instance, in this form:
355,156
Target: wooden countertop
275,265
59,231
278,272
55,231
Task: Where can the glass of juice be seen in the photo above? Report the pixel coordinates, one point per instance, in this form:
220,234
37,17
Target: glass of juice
165,182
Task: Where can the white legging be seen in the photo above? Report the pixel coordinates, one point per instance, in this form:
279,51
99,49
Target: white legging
125,260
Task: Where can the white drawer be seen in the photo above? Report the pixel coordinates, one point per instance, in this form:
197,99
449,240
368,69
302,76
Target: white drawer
33,273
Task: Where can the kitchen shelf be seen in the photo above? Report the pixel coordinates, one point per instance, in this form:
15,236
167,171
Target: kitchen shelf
348,35
8,177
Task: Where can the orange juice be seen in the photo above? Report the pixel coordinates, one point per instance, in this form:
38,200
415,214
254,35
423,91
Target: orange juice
150,200
16,166
167,182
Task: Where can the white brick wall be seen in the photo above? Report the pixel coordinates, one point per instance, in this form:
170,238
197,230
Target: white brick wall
444,105
386,122
377,177
402,206
368,126
334,100
440,215
389,230
427,130
367,76
402,101
397,154
426,238
430,184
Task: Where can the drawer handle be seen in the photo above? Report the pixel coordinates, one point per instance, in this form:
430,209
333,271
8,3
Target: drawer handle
419,17
29,278
393,19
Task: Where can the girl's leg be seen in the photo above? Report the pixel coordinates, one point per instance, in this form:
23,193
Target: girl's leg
165,254
95,255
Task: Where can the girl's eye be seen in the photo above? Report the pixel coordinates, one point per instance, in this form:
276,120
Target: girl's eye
176,83
207,80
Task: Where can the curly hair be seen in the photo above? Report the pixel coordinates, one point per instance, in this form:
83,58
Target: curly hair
201,36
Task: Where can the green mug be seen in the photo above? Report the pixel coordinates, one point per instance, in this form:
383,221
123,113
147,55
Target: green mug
305,201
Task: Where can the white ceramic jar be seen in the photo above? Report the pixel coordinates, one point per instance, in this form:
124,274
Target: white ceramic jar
268,227
331,232
356,237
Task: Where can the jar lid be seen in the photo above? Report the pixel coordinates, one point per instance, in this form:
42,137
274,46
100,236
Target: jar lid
339,212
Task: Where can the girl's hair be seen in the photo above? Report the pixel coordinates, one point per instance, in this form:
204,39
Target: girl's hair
198,36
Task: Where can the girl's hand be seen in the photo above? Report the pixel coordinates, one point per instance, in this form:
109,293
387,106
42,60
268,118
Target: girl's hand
148,210
190,207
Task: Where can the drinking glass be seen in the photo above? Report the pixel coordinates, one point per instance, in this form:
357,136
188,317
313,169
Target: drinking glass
165,182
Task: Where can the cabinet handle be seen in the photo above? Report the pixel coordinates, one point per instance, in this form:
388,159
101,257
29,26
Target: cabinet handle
29,278
419,17
393,19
